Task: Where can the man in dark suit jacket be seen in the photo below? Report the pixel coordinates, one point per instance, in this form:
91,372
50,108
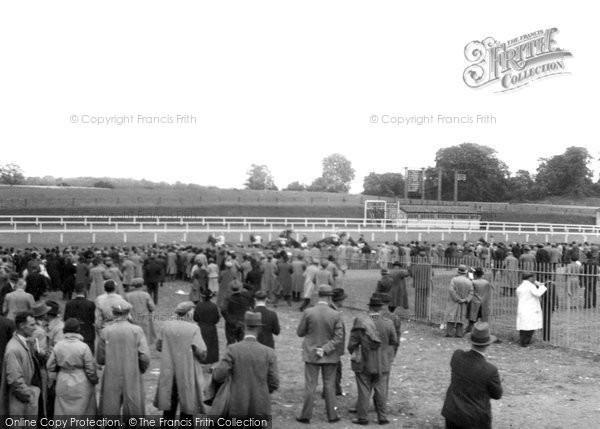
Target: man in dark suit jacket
474,381
270,321
154,273
7,329
234,309
83,310
37,284
322,329
253,371
9,287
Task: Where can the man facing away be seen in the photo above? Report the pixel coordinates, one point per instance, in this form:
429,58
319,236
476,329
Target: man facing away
473,382
322,330
375,360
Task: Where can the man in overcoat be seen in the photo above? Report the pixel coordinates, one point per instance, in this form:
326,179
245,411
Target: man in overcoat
460,294
181,350
122,348
473,382
253,370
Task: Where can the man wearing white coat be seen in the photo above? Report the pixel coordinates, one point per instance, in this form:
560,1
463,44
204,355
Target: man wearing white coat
529,309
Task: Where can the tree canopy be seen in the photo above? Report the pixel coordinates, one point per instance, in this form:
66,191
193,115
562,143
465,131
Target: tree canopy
260,178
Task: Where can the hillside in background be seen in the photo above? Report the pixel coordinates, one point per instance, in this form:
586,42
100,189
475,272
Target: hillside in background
209,201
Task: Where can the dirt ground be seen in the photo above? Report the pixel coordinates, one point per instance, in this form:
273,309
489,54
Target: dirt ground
544,387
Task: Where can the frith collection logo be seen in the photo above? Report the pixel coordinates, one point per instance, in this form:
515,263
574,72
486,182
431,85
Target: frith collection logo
515,63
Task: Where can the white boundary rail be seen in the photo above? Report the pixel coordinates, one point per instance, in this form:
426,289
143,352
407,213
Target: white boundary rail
31,224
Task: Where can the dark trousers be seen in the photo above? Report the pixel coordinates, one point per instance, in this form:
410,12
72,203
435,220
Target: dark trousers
153,291
525,338
234,331
311,377
170,414
338,378
589,293
367,384
454,329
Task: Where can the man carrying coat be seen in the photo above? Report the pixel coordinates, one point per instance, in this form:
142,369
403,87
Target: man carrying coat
322,330
375,339
474,381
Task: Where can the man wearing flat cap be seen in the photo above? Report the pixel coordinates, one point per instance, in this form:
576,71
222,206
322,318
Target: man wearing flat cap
182,350
122,348
233,311
322,329
105,304
473,382
253,371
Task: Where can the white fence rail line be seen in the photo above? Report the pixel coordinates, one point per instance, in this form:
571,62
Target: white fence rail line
21,222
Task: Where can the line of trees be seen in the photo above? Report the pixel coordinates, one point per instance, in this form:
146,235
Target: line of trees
336,176
489,179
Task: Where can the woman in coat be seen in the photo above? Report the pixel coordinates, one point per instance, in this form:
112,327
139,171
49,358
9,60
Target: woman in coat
206,315
72,365
529,309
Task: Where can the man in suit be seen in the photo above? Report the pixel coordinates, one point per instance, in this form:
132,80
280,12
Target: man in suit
83,310
21,380
234,309
322,329
17,301
7,329
9,287
153,275
376,360
253,370
37,283
474,381
270,321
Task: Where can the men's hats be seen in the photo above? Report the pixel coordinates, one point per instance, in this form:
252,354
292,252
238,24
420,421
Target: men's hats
384,272
71,325
526,275
137,282
480,335
39,309
13,276
184,307
462,269
54,308
252,319
235,285
325,290
260,295
207,293
121,308
338,294
375,302
383,297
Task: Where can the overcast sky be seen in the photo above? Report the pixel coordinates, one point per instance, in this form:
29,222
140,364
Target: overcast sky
278,83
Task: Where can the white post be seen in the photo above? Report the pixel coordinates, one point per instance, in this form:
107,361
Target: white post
28,238
527,237
442,236
93,237
155,237
372,236
420,236
124,237
61,238
185,237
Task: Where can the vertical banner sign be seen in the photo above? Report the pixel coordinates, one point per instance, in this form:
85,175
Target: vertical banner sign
413,181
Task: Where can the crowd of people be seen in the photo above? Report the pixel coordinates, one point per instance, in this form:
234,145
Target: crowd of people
52,362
